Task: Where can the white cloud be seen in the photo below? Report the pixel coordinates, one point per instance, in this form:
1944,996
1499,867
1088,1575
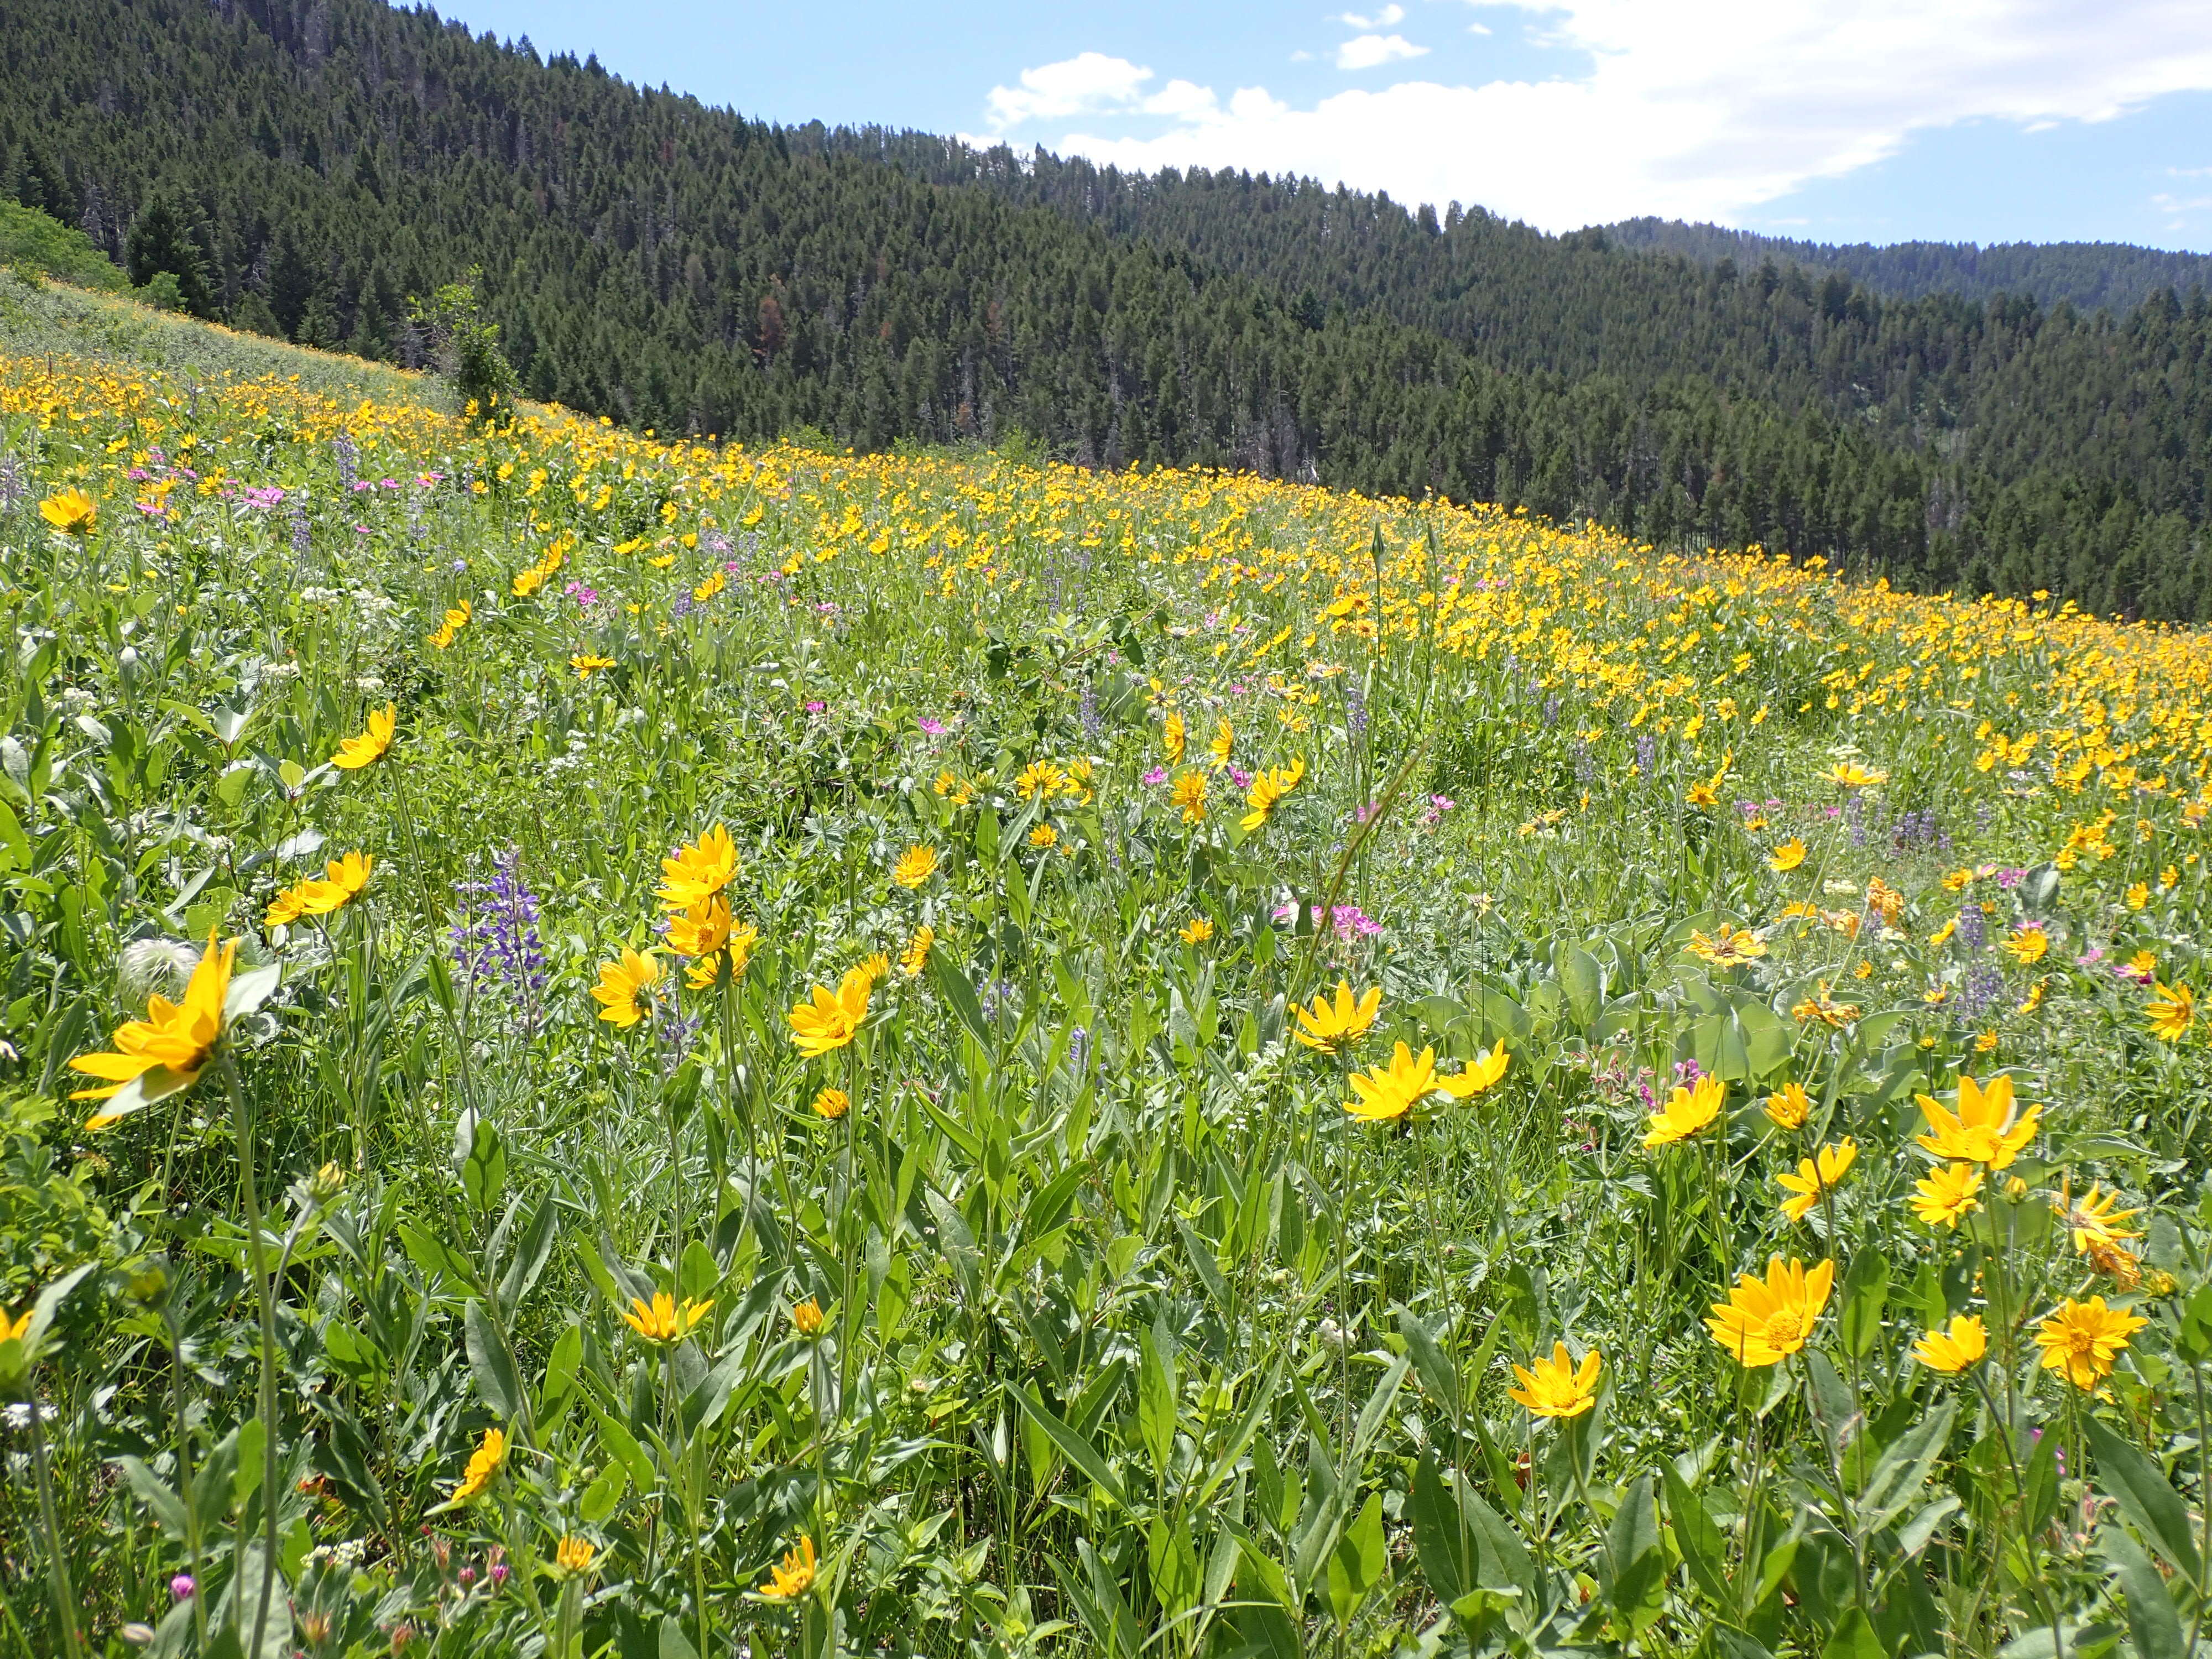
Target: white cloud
1700,109
1365,51
1389,17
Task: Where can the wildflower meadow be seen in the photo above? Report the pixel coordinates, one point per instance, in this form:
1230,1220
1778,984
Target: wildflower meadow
616,1046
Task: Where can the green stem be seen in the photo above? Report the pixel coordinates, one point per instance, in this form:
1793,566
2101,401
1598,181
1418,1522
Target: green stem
56,1563
242,1126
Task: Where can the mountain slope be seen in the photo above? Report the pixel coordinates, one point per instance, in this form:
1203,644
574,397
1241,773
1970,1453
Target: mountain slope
680,267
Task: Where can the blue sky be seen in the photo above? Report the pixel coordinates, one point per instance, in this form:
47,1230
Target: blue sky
1838,120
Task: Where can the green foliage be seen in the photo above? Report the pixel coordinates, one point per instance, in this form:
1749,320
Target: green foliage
465,347
31,241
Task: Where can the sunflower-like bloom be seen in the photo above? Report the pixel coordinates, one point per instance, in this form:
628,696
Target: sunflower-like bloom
1189,797
1814,1178
1556,1387
915,865
1196,931
1224,743
1268,790
1387,1093
12,1330
1478,1076
1849,775
2028,944
806,1318
832,1104
573,1554
1985,1130
1331,1026
795,1577
2094,1221
736,951
1790,1109
625,988
1174,736
829,1020
484,1463
2081,1340
660,1320
164,1052
1958,1349
369,745
1044,836
1786,857
700,929
1763,1323
2172,1012
699,870
1688,1111
320,896
585,666
915,957
447,631
71,512
1947,1194
1727,947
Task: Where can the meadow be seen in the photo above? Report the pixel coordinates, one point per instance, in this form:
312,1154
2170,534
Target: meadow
620,1046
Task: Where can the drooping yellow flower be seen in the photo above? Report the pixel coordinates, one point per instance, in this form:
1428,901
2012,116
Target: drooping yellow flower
1387,1093
1268,790
1196,931
2081,1340
829,1020
1224,744
1826,1010
2094,1219
915,957
1174,735
1957,1349
806,1318
1329,1027
320,896
1786,857
1188,796
660,1320
585,666
624,992
1885,902
1556,1387
1688,1111
915,865
1763,1323
1984,1129
2028,944
699,870
1790,1109
795,1577
484,1463
447,631
831,1104
166,1051
371,744
875,967
2033,999
1727,947
1849,775
573,1554
1478,1076
2171,1012
71,512
1814,1178
1947,1194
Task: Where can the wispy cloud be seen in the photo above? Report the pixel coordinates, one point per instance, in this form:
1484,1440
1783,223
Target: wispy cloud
1365,51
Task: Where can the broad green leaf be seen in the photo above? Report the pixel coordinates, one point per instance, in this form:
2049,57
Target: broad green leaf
2146,1497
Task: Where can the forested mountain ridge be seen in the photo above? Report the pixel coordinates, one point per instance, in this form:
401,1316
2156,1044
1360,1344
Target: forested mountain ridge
677,266
2091,275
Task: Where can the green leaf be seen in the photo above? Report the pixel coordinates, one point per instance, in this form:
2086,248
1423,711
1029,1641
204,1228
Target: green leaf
1866,1293
2146,1499
605,1490
1074,1447
1854,1637
2151,1617
1359,1561
1157,1394
488,1360
674,1643
561,1369
625,1447
1894,1485
1632,1565
1704,1551
1584,981
156,1494
1442,1538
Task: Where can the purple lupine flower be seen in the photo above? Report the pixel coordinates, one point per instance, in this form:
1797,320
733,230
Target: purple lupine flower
1093,729
1647,752
14,482
1973,927
1984,986
496,944
1355,707
347,454
295,509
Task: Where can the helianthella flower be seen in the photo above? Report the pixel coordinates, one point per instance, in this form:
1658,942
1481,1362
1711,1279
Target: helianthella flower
875,967
1688,1111
1984,1130
795,1577
2094,1220
370,744
1173,736
700,929
164,1053
660,1320
1786,857
1268,790
1727,947
1197,930
806,1318
1947,1194
1763,1323
447,631
1958,1349
1387,1093
484,1463
1189,797
1814,1178
1478,1076
1328,1027
625,988
2138,895
1556,1387
2033,1001
585,666
1224,743
915,865
321,896
915,957
829,1020
832,1103
699,870
2081,1340
71,512
1849,775
2028,944
1790,1109
573,1554
2172,1012
1044,836
736,949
